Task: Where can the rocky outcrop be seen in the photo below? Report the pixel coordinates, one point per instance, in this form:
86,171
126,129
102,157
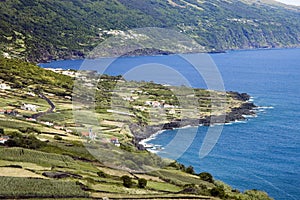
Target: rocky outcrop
60,175
141,132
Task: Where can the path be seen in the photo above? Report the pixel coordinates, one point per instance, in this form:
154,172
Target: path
50,110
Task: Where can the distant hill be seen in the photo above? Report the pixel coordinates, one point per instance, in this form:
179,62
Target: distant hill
40,30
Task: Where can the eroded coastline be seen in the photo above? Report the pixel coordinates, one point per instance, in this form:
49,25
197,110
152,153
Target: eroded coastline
236,114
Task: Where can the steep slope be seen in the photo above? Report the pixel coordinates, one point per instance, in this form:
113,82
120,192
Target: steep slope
42,30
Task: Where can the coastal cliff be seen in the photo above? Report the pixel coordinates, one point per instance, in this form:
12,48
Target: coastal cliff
236,114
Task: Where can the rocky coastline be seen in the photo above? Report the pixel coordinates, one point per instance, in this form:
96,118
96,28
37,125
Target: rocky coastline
236,114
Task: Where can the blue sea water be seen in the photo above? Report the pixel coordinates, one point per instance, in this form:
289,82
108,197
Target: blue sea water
261,153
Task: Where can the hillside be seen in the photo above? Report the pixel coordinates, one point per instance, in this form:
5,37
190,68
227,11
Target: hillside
41,30
49,157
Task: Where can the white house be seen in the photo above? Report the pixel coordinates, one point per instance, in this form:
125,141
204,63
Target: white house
4,139
115,141
168,106
3,86
148,103
31,94
47,123
29,107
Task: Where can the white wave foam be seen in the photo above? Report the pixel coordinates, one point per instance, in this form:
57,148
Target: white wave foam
249,116
265,107
251,99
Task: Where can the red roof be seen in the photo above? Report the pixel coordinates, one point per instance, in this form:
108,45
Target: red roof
85,133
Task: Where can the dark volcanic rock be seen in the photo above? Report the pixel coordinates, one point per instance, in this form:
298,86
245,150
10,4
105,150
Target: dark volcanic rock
240,96
141,132
147,52
60,175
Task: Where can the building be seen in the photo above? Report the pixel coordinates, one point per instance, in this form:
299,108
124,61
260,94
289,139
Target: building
168,106
115,141
3,86
29,107
31,94
47,123
89,134
4,139
92,135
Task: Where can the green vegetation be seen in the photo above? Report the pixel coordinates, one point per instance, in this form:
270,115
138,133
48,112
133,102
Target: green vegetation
73,28
25,141
23,74
205,176
217,192
142,183
41,160
37,157
127,182
13,187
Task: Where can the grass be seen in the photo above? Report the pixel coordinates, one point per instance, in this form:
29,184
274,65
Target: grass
15,172
25,165
179,178
37,157
15,124
166,187
15,187
58,117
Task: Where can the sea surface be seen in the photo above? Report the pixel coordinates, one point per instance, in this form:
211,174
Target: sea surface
262,152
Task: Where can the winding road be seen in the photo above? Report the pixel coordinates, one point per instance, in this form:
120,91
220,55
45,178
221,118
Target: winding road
50,110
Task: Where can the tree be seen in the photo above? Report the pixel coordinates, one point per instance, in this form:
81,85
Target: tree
205,176
127,182
142,183
102,174
190,170
1,131
217,192
57,137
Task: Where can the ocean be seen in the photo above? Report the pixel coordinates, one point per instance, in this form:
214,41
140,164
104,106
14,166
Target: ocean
262,152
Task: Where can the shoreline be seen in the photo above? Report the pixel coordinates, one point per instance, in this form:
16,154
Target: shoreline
142,134
153,136
255,110
211,52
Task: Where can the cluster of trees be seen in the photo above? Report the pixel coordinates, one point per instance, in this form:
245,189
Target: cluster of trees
22,74
127,182
25,141
205,176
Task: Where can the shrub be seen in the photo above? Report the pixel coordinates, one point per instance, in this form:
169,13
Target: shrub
255,194
57,137
190,170
142,183
205,176
127,181
102,174
29,130
1,131
29,141
217,192
177,165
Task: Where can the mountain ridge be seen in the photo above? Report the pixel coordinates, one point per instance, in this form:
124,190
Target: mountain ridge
40,31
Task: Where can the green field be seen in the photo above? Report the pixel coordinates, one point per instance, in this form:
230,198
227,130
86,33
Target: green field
12,187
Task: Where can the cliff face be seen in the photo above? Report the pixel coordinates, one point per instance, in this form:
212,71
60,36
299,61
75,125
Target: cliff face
46,30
